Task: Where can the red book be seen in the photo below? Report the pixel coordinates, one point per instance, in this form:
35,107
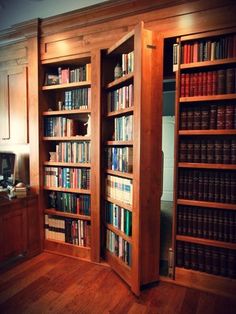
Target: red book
214,82
199,84
209,82
182,85
204,83
187,84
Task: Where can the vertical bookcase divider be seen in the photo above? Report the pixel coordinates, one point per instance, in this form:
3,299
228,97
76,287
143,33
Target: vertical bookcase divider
204,229
132,100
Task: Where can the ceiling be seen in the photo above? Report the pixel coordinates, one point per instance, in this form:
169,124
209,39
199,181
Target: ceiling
15,11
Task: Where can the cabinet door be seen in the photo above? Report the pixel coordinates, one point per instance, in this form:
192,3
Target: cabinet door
14,233
13,106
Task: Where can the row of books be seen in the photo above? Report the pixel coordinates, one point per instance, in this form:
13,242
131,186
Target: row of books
119,217
74,178
67,75
208,83
127,62
209,49
123,128
207,185
70,203
120,158
121,189
63,127
79,98
74,152
120,98
208,151
119,247
74,231
208,223
204,117
209,259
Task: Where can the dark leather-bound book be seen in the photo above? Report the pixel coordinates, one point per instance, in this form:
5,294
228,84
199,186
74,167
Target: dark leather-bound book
187,260
209,82
180,219
227,187
205,117
190,151
185,183
230,80
221,225
210,224
185,221
200,186
197,151
226,227
195,184
221,81
211,190
210,152
201,257
190,118
203,151
226,151
217,187
194,221
215,224
214,82
193,256
206,222
231,215
183,151
181,185
233,151
233,187
220,124
222,187
232,263
215,261
229,117
200,84
182,84
180,254
200,222
190,184
197,118
205,185
213,117
218,151
190,221
187,85
223,262
208,259
183,119
204,83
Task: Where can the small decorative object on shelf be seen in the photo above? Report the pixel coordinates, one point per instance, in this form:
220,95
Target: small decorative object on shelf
117,71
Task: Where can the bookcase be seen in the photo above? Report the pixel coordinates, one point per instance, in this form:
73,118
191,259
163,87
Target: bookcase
70,155
131,155
204,232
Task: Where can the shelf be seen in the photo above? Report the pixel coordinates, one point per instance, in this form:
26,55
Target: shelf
225,206
119,233
120,80
119,203
120,174
204,281
119,143
120,112
67,249
66,112
119,266
208,98
66,215
207,132
123,41
60,189
65,86
207,63
227,245
66,138
67,164
206,166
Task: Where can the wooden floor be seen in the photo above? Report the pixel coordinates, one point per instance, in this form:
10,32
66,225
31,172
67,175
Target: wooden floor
54,284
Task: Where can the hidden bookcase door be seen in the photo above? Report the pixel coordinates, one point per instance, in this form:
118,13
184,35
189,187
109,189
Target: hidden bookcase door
204,234
69,156
131,155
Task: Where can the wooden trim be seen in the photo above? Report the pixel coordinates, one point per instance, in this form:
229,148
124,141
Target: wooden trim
60,189
120,80
68,85
207,63
225,206
208,98
207,132
119,233
119,203
207,282
67,164
120,42
120,174
66,112
55,212
67,138
208,34
206,166
120,112
119,143
227,245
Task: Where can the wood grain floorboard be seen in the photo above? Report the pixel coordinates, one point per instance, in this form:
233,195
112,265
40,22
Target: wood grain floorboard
51,283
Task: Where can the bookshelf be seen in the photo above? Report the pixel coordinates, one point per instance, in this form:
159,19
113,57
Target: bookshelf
204,230
69,158
132,164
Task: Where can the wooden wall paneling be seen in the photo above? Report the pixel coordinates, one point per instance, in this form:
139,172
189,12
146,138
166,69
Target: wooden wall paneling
4,108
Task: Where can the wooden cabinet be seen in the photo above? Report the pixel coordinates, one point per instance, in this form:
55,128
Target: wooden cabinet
14,106
19,224
131,155
205,175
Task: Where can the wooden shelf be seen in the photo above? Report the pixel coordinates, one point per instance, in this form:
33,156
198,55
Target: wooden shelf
227,245
119,143
225,206
68,85
119,203
194,65
66,112
66,164
66,215
120,174
67,249
207,98
120,112
206,166
123,41
207,132
120,80
119,233
204,281
66,138
60,189
123,270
